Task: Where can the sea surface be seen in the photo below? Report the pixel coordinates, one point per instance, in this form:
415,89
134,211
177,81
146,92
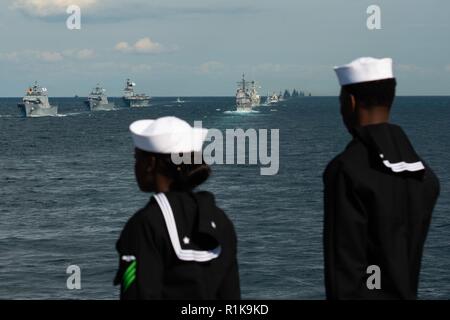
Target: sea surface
67,188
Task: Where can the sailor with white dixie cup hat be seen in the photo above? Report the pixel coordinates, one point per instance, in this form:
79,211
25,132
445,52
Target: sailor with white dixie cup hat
180,245
379,194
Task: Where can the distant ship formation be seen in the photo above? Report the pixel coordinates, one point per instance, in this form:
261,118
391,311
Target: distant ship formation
272,99
275,98
247,96
132,99
35,103
98,101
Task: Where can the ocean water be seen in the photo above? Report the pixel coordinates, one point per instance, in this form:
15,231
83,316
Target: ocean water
67,188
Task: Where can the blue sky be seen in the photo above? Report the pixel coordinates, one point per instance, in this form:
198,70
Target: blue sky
201,47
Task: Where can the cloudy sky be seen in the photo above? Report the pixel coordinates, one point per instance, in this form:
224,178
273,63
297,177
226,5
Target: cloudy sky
201,47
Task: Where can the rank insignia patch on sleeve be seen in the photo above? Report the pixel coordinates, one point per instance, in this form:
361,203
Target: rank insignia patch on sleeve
129,275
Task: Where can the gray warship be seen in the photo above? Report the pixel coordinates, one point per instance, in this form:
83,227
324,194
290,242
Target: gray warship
243,97
35,103
132,99
98,101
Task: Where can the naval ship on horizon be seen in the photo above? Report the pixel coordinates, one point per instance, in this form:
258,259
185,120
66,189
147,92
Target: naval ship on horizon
254,96
272,99
98,101
35,103
132,99
247,96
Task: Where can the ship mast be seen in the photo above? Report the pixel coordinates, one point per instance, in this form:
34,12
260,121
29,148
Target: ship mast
243,83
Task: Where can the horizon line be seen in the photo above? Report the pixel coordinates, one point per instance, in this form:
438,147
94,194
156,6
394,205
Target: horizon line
230,96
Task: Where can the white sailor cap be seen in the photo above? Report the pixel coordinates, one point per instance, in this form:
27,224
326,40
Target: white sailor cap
365,70
167,135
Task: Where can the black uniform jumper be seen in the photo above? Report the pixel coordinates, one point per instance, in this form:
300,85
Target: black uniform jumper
180,246
379,197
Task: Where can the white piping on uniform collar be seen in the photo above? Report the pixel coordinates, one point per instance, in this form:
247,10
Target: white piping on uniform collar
182,254
403,166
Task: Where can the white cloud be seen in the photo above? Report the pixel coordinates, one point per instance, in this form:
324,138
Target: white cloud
211,67
122,46
146,45
118,10
46,8
143,46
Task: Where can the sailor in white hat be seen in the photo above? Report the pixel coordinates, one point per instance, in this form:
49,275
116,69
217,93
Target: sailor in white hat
180,245
379,194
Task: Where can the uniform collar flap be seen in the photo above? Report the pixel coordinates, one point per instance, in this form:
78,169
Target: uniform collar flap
392,147
207,214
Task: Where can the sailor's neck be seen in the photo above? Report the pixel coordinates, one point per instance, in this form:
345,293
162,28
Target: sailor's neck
372,116
162,183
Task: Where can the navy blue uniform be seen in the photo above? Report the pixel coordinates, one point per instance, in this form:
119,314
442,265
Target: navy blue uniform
379,198
152,267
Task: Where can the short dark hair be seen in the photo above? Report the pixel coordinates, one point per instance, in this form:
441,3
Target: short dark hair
373,93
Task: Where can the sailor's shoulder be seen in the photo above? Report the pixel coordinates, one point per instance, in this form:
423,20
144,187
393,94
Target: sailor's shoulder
145,217
209,198
212,216
227,224
353,153
346,160
150,214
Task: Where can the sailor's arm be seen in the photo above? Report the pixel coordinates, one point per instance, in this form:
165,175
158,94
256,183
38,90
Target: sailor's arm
140,268
230,288
345,238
